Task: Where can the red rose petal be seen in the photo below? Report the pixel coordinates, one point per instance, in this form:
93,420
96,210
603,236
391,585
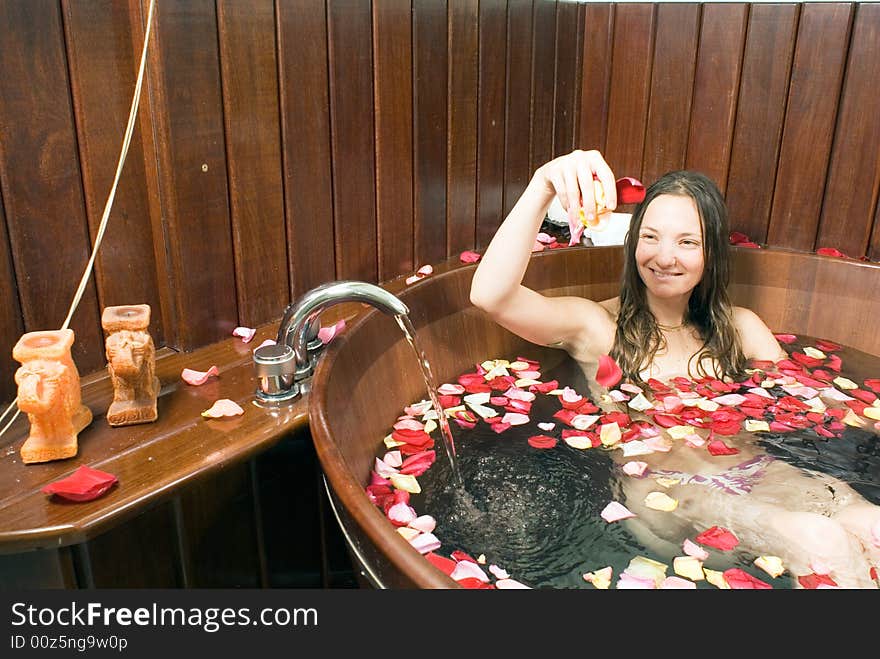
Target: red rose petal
542,441
608,374
629,190
786,338
445,565
84,484
831,251
812,581
718,537
717,447
469,257
741,580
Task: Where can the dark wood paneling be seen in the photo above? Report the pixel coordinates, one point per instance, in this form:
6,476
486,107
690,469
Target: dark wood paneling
351,116
188,109
461,177
592,120
569,31
41,179
249,71
305,124
760,112
40,569
716,86
393,89
143,553
518,112
672,88
543,82
104,63
630,83
819,57
430,79
491,118
11,327
219,531
854,173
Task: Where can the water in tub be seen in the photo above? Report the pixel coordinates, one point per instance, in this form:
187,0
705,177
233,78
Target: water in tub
533,497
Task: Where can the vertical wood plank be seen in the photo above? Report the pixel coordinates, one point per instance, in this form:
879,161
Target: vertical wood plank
631,78
393,90
461,182
851,192
11,327
817,71
104,62
518,112
185,72
568,66
305,130
491,118
248,67
596,76
41,179
672,88
543,82
716,86
430,33
760,112
354,157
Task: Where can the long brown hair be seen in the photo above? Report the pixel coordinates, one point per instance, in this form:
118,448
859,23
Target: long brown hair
709,312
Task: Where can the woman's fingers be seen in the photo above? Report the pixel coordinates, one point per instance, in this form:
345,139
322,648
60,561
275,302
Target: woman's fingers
606,178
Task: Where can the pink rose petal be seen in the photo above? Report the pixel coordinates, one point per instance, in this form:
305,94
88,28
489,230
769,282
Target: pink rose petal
223,407
425,270
635,468
514,419
401,514
326,334
468,569
546,427
498,573
424,523
510,584
267,342
469,257
677,583
694,550
615,511
196,378
246,333
412,279
425,542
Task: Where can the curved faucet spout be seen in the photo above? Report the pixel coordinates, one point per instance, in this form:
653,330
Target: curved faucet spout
281,366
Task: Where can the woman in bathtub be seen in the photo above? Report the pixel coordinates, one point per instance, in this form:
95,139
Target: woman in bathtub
673,317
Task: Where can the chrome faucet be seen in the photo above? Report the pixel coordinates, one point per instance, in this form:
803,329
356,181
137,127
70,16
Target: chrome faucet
284,368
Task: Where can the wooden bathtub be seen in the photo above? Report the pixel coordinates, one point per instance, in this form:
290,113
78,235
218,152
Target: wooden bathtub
369,373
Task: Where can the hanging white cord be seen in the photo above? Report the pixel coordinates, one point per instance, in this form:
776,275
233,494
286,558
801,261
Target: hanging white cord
106,215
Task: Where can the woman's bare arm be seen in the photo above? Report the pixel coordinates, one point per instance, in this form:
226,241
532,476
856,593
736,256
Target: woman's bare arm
757,340
566,322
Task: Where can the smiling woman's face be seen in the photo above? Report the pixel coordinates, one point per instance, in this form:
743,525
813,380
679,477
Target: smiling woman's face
669,251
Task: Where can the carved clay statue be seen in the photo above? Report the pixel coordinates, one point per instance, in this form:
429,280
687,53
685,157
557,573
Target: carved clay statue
131,360
49,392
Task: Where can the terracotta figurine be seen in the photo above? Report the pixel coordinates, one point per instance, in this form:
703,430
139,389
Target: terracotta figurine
131,360
49,392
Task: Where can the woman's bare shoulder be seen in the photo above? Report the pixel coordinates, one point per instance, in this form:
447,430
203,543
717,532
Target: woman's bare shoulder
612,306
757,339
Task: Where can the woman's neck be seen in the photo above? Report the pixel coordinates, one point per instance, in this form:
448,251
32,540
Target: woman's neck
669,313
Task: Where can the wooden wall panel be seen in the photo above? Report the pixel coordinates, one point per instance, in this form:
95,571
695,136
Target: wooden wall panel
716,85
543,82
249,70
817,71
850,199
393,90
430,61
11,326
103,68
569,50
592,120
185,76
763,91
461,174
672,88
351,128
305,131
631,65
41,179
517,137
491,118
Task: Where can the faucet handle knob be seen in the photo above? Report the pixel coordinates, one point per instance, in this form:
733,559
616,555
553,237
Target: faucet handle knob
276,369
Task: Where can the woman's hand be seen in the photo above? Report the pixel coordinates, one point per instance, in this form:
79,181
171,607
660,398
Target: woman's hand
571,178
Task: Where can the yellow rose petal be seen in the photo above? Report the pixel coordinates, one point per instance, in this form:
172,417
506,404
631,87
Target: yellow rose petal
845,383
407,532
772,565
853,419
716,578
525,382
391,443
680,432
600,579
688,566
579,442
872,413
660,501
430,426
647,568
667,482
609,433
406,482
756,425
815,353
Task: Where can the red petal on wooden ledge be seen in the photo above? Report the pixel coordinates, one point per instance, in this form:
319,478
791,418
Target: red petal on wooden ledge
608,374
831,251
469,257
84,484
629,190
737,237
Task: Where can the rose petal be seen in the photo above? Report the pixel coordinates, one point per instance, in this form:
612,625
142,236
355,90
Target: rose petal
615,511
326,334
223,407
469,257
629,190
608,373
246,333
84,484
718,537
425,270
197,378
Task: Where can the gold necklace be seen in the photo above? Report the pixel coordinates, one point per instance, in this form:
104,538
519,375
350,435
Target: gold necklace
671,328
